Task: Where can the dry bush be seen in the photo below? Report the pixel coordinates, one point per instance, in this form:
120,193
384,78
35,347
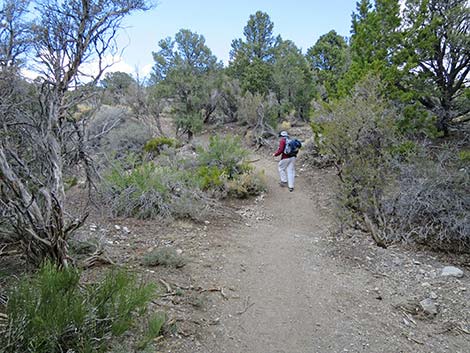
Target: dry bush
246,185
260,115
431,204
230,94
392,187
151,191
113,132
359,133
165,256
313,156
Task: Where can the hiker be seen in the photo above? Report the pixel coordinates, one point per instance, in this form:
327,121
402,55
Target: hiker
288,150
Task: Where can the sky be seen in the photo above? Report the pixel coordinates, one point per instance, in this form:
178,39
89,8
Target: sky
220,22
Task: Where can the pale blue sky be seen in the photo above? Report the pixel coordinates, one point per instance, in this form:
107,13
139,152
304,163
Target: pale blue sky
220,22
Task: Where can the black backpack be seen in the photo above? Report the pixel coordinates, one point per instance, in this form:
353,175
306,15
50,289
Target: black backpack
292,147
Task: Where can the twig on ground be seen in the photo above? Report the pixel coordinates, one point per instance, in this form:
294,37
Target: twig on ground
215,289
413,339
247,306
460,328
167,285
97,258
408,317
183,287
254,160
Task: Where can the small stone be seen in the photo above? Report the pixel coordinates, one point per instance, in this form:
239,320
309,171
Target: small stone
426,284
126,230
397,261
428,306
117,227
179,251
451,271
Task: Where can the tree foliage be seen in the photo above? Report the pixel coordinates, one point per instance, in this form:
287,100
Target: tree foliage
251,59
437,42
374,44
185,69
292,80
329,60
117,86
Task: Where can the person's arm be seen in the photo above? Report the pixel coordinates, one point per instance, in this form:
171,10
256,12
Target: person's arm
279,151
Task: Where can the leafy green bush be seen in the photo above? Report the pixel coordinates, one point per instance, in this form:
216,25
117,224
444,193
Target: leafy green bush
51,312
151,191
157,144
165,256
226,153
210,177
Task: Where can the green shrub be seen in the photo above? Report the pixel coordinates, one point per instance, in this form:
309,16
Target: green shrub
227,154
210,177
403,150
51,312
70,182
154,328
157,144
464,156
165,256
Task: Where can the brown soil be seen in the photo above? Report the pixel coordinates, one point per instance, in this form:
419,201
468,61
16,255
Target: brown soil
275,277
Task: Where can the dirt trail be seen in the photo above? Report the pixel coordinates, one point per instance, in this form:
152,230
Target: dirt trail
288,294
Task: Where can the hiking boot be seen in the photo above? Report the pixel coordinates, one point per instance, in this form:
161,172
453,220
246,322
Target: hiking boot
291,189
283,183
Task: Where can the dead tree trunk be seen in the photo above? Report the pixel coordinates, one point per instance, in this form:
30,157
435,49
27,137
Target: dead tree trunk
32,154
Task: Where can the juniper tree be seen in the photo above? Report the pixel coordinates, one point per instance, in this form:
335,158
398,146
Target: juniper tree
185,70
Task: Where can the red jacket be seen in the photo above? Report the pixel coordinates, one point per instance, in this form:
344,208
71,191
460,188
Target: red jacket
280,150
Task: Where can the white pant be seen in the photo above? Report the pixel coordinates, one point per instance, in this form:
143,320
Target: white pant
287,171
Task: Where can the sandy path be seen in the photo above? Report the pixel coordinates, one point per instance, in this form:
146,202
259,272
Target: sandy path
288,292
